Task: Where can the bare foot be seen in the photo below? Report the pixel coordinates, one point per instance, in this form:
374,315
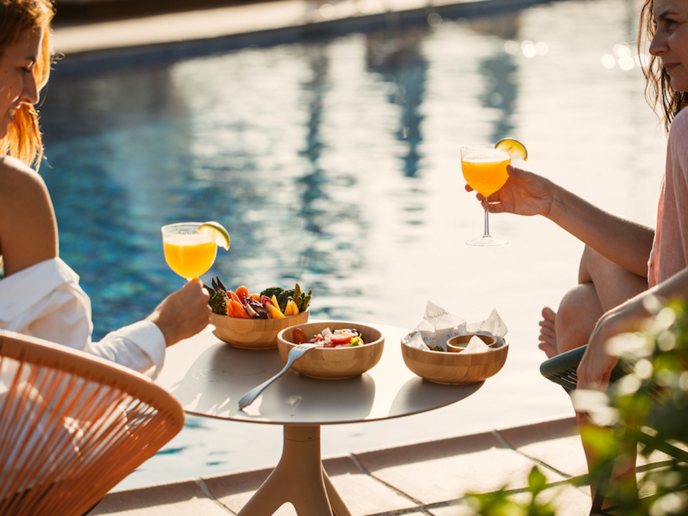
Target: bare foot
548,336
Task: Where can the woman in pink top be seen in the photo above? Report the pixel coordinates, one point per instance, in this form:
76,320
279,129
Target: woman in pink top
623,263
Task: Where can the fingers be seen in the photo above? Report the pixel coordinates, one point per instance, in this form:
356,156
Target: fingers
592,378
194,293
183,313
492,204
592,385
195,286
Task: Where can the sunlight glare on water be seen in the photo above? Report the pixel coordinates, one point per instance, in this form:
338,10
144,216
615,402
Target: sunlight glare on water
335,163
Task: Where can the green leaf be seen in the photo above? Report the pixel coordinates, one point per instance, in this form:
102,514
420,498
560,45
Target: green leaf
537,481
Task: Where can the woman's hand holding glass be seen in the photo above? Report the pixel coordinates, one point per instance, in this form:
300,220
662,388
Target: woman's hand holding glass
485,169
183,313
190,249
524,193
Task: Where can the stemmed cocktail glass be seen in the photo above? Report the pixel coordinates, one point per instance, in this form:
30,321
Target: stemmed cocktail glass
190,247
484,169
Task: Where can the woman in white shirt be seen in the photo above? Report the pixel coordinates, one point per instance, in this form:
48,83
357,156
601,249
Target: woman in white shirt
39,293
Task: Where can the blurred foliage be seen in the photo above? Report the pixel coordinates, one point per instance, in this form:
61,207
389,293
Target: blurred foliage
643,412
506,503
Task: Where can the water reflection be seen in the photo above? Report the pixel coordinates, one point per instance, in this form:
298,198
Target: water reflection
335,163
314,178
332,163
397,56
499,71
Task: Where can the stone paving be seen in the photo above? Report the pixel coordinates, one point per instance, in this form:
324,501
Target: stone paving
424,478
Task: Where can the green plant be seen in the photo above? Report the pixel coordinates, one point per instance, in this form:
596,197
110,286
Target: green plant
644,411
505,503
647,411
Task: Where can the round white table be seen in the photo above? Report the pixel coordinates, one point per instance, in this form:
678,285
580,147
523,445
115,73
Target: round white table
209,376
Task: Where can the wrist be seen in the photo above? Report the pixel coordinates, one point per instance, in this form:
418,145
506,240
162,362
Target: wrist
557,204
155,319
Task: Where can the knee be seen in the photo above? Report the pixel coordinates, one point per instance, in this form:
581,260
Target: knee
576,317
574,303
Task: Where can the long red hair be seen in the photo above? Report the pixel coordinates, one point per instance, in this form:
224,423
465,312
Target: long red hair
23,139
658,91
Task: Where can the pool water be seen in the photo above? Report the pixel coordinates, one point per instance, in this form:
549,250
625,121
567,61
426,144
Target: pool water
335,163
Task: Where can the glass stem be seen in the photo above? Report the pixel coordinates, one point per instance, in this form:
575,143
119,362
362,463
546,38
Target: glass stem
486,229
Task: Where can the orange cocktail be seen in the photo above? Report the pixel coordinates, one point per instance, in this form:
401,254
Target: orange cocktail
484,169
485,177
188,252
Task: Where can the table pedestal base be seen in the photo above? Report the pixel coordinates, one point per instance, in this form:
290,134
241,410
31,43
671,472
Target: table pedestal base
298,478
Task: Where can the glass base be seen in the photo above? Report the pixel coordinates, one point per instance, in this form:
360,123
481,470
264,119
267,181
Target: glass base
486,240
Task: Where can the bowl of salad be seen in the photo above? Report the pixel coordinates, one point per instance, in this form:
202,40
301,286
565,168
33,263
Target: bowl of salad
248,319
344,349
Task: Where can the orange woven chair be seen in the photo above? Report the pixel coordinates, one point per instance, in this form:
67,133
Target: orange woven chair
72,426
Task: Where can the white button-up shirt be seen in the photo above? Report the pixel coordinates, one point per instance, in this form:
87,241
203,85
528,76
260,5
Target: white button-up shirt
46,301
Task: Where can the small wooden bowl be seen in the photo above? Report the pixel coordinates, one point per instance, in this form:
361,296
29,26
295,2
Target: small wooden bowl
334,363
253,333
459,342
454,368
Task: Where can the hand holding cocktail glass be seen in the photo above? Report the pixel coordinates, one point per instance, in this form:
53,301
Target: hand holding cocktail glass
190,247
485,170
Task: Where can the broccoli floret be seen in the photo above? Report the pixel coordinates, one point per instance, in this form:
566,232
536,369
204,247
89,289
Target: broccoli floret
283,298
271,291
218,302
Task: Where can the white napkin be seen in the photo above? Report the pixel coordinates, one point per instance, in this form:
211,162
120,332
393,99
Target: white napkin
438,325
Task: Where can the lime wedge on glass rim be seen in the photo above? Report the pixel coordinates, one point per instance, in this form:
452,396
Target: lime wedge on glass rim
217,232
513,148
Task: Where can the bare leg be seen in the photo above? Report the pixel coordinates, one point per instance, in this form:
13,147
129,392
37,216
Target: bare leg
571,325
602,285
576,317
623,471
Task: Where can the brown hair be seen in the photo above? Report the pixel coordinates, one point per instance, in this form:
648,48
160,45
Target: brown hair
658,91
23,139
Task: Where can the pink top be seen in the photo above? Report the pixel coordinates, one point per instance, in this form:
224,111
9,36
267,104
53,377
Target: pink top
670,247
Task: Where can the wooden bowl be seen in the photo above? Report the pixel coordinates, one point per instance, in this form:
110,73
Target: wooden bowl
334,363
454,368
458,343
252,333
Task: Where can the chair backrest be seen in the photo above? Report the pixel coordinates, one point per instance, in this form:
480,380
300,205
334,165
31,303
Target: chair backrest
561,369
72,426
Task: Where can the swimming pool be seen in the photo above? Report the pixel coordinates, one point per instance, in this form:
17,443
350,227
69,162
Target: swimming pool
335,163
